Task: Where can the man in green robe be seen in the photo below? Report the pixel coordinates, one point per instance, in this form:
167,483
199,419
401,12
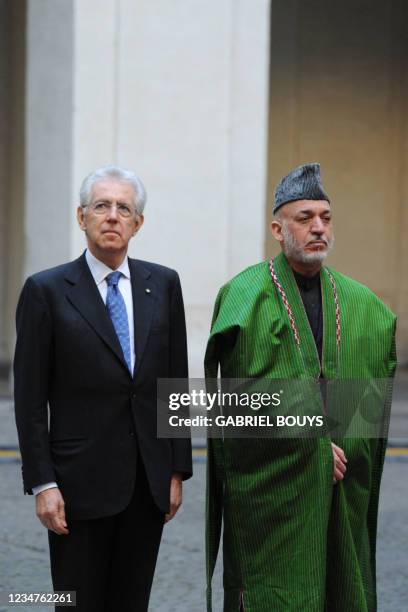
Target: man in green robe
299,514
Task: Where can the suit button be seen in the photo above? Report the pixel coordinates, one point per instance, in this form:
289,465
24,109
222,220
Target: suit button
131,433
133,396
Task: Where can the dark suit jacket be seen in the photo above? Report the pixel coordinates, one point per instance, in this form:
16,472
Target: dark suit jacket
101,420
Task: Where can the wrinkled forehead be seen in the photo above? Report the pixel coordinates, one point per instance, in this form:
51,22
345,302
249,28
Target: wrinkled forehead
306,207
107,189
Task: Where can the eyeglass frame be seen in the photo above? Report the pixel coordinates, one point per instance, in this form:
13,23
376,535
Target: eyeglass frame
109,207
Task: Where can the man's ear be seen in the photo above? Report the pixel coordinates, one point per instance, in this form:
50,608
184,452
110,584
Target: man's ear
138,224
81,218
276,230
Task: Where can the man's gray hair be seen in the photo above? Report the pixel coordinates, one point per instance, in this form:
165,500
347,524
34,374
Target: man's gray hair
119,174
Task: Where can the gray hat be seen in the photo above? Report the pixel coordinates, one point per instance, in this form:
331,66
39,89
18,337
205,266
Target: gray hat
303,183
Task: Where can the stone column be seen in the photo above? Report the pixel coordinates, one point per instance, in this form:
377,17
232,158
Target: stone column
49,141
96,92
4,205
192,119
12,181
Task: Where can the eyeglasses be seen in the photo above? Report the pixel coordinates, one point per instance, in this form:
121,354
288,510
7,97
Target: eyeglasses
102,208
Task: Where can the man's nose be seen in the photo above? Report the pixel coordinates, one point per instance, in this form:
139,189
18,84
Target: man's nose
113,213
317,226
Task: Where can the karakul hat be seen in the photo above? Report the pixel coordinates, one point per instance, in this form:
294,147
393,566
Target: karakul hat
303,183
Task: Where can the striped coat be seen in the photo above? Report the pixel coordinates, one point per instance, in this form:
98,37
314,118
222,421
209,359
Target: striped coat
291,540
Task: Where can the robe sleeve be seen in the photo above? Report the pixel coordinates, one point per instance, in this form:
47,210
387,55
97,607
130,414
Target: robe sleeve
214,487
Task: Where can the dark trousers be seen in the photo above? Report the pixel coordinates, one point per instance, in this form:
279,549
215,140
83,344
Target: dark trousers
110,561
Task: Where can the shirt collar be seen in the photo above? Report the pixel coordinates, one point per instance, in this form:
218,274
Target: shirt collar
100,271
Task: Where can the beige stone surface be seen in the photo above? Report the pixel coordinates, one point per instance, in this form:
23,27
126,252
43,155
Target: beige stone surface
338,95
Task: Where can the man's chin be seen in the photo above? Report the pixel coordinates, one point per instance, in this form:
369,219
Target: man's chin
310,254
314,257
112,242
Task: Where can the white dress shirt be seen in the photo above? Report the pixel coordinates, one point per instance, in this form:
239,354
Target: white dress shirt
100,271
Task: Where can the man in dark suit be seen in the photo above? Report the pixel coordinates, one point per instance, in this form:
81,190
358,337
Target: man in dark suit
93,337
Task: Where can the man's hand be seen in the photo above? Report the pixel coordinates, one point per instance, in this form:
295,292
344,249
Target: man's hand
176,495
339,463
50,510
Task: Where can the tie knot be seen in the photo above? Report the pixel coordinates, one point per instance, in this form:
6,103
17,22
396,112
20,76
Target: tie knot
113,278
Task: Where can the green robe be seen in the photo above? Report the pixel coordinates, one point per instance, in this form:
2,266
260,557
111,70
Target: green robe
292,540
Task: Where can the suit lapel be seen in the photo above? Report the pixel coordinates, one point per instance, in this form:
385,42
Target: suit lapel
144,303
84,296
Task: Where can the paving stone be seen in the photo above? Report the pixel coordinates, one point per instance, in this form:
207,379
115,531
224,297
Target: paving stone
179,583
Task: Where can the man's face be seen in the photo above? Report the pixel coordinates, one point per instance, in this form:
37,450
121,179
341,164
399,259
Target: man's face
306,230
106,220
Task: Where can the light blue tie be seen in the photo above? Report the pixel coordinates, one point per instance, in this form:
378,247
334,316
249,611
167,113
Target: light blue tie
118,313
